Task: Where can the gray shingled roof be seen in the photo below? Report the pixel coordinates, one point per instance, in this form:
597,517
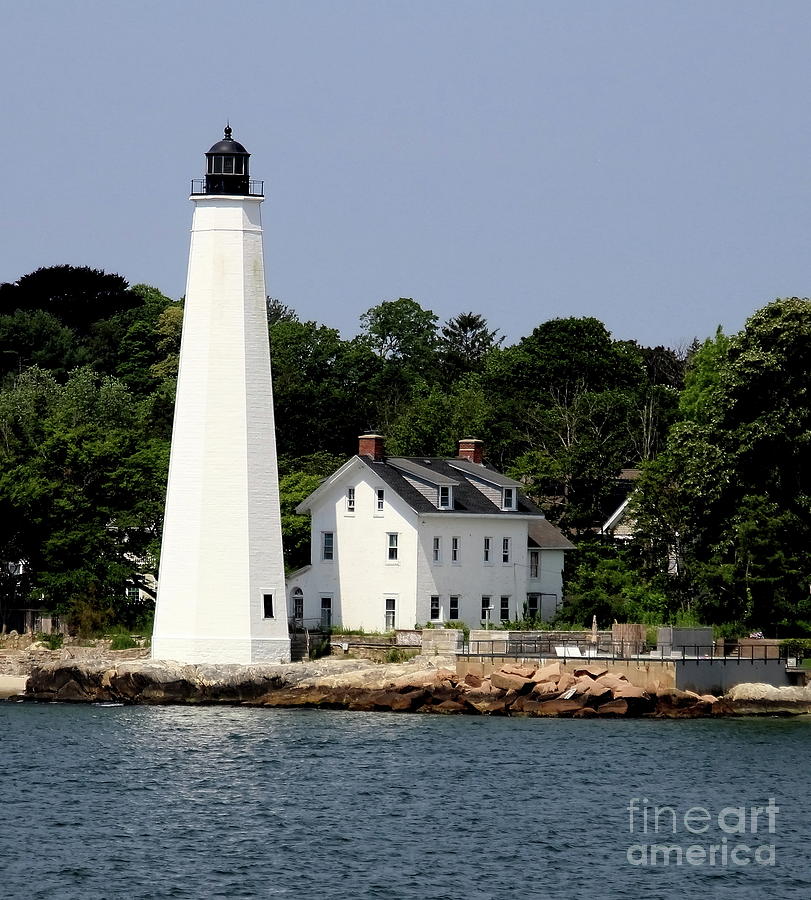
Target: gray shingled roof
485,473
422,471
466,497
546,536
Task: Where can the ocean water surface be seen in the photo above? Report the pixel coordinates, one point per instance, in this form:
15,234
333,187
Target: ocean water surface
219,802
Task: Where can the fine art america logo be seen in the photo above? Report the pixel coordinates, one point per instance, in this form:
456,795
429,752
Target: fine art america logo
698,836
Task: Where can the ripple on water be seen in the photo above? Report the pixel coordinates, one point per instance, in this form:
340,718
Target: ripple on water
147,802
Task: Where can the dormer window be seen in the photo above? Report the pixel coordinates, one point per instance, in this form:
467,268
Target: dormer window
508,498
445,497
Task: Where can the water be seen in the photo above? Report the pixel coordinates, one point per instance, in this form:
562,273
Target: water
183,802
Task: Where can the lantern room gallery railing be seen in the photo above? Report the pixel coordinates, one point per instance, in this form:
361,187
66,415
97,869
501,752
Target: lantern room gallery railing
255,188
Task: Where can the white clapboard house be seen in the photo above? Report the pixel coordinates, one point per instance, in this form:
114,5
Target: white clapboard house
403,541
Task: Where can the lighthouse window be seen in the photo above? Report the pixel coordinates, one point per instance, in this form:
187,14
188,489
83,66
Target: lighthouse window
228,165
238,165
217,165
267,603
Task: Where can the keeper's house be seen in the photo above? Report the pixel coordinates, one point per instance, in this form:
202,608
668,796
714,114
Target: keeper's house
398,542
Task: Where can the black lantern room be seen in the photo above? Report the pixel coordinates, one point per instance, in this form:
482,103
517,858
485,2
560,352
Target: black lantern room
227,167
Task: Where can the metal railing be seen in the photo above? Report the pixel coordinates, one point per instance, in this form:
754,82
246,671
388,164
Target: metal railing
576,650
255,188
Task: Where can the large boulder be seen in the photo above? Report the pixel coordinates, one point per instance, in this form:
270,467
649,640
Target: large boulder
549,672
613,708
508,682
593,671
525,670
557,707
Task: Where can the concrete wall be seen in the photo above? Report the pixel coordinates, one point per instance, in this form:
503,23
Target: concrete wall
675,638
713,676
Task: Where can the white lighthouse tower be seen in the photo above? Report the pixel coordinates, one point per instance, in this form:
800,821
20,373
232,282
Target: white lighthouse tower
221,590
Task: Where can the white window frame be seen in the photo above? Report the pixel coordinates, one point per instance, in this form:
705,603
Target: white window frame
321,598
453,600
438,616
393,548
380,501
448,497
324,549
436,550
508,492
456,550
501,606
506,551
297,596
350,500
390,625
487,550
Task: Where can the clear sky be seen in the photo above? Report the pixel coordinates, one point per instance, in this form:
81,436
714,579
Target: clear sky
643,162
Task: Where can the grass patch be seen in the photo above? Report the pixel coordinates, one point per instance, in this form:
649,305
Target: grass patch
121,639
52,641
397,655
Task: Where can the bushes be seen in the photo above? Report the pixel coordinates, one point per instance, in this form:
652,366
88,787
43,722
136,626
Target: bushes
122,639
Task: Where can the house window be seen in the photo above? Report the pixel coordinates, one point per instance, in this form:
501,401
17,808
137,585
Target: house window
298,603
505,550
267,605
455,549
132,593
534,563
435,611
350,500
504,611
393,540
533,605
437,550
488,544
327,545
381,499
391,610
445,498
486,608
326,612
508,498
453,607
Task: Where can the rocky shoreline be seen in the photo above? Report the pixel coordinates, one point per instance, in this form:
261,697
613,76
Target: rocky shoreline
426,684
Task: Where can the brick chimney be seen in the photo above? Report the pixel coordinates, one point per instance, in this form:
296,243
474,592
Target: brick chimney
471,449
371,445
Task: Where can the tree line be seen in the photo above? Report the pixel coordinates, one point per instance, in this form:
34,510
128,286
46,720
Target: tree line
88,367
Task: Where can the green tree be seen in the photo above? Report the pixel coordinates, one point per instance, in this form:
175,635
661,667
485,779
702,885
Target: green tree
435,419
81,488
732,489
402,331
464,342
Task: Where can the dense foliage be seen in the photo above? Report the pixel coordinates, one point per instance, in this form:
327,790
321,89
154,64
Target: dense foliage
88,366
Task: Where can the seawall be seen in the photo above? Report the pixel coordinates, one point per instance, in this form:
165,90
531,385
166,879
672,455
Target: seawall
428,684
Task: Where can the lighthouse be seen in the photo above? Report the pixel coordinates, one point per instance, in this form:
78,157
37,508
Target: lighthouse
221,589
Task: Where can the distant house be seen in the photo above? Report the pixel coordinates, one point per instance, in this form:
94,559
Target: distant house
400,541
620,524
